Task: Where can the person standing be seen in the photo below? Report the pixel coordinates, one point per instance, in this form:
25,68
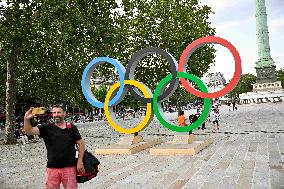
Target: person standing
181,120
199,112
215,118
17,134
229,104
234,105
60,144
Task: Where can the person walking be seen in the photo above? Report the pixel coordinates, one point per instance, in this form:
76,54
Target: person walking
215,118
60,145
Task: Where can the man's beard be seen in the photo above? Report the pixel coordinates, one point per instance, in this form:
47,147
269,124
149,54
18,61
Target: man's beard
58,120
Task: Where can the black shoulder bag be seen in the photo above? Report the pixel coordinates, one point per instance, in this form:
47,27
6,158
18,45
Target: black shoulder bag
91,164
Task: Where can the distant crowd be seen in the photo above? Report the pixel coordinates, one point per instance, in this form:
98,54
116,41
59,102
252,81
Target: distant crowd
213,117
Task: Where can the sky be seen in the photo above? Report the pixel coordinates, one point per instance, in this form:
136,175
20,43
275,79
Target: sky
235,21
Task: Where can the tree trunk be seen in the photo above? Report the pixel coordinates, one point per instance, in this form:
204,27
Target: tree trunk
10,99
178,104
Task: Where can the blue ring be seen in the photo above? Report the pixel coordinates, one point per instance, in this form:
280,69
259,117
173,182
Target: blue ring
86,78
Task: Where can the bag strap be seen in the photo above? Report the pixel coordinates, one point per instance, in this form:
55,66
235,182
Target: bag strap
69,125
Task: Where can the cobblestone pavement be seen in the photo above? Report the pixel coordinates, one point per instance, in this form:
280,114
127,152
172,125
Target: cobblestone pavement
248,152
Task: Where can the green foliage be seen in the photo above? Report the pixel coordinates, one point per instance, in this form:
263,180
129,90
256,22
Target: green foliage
14,27
56,39
181,97
60,39
100,93
244,85
280,76
170,25
128,100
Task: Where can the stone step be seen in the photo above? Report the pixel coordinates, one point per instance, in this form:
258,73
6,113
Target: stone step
181,149
128,149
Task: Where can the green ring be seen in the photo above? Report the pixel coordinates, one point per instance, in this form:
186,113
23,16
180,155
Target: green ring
204,114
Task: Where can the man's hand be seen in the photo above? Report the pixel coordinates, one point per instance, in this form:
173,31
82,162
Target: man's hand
27,124
80,166
81,150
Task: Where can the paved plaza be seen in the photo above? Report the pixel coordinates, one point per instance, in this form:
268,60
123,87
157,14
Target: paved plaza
247,152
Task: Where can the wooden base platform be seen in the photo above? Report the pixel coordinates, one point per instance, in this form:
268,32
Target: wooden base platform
172,148
121,148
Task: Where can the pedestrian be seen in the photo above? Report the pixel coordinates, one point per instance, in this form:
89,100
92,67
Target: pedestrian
2,125
234,105
229,104
60,144
181,120
192,118
23,136
17,134
215,118
199,112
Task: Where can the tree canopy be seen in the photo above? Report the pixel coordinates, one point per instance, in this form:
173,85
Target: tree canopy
58,38
47,44
244,85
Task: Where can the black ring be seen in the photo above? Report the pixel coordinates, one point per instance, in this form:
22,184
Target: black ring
136,57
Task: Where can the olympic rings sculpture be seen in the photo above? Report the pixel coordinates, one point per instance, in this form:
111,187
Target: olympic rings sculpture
178,72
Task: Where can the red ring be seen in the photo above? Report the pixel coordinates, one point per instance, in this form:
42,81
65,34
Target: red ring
198,43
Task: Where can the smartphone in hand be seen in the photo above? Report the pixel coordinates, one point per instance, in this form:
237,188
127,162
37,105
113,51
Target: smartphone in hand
38,110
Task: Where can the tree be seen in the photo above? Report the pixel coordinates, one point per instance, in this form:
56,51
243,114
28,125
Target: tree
244,85
14,24
46,45
128,101
3,77
170,25
182,97
100,93
49,43
66,36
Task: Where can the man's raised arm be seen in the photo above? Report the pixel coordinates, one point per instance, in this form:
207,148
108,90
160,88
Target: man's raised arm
29,129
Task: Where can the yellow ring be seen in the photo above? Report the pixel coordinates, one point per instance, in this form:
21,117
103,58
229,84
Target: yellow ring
143,123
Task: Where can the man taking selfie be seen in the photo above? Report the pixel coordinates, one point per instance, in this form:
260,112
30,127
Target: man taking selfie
60,145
